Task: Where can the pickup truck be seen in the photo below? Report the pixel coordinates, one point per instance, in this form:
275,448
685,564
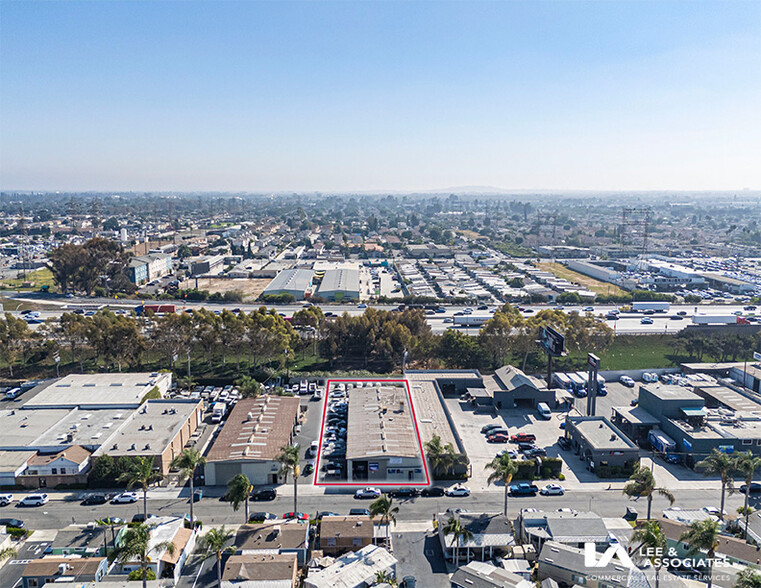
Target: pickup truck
523,489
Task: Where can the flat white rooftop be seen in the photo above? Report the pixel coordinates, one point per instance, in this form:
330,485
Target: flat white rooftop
97,390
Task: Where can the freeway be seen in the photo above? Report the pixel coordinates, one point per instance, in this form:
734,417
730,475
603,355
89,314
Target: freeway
628,323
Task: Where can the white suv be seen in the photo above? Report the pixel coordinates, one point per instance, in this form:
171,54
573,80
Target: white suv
6,499
34,500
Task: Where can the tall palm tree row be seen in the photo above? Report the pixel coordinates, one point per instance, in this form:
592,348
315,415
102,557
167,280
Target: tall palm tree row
215,541
238,491
141,473
289,463
747,465
651,539
187,462
383,508
135,545
720,464
460,533
642,483
503,469
703,536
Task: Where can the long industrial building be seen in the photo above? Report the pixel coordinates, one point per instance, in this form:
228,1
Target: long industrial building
340,284
296,282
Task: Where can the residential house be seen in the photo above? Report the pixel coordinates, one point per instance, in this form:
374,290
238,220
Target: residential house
479,574
70,466
345,533
274,537
491,536
273,570
356,569
52,570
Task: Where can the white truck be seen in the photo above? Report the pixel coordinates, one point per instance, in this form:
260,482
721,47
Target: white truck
654,306
218,411
717,319
471,320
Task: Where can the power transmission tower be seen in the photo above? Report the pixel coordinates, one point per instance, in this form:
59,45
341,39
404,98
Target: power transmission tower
24,251
635,222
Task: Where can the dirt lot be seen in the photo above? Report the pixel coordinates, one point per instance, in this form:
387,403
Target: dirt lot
250,287
568,274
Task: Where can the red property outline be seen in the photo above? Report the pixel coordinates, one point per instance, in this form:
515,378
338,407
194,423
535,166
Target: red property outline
365,482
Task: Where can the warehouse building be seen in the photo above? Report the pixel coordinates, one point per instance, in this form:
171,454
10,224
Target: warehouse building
296,282
94,391
601,444
381,441
340,284
251,439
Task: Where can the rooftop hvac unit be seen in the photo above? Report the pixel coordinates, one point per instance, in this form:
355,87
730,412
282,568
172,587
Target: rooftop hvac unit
401,406
250,416
276,530
62,567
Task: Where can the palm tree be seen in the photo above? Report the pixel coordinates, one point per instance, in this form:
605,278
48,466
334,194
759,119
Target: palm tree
642,483
289,462
748,578
238,490
141,473
7,552
214,542
441,458
383,577
720,464
703,536
747,464
135,545
651,537
460,533
503,469
383,508
187,462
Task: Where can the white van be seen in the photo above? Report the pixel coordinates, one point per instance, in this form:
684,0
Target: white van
12,393
543,410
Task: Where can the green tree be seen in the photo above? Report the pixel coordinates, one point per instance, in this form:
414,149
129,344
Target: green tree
642,483
141,473
14,334
248,387
703,536
187,463
459,350
289,463
215,541
748,578
7,552
747,464
117,339
135,545
720,464
651,538
383,507
238,491
460,533
502,469
441,458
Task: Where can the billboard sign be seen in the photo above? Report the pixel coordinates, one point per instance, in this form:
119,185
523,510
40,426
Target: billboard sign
553,341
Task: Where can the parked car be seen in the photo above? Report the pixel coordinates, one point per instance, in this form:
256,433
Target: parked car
94,499
6,499
326,513
535,452
523,489
564,443
141,518
34,500
261,516
552,490
298,516
488,428
359,512
367,493
523,438
457,491
626,381
404,493
15,523
755,488
125,498
197,494
432,491
497,438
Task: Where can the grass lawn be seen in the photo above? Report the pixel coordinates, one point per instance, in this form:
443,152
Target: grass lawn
596,286
38,279
641,351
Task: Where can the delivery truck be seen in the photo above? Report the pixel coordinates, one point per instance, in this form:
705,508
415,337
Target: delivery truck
471,320
663,444
718,319
218,411
155,308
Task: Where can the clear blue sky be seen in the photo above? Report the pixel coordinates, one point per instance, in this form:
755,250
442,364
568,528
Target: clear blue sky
380,95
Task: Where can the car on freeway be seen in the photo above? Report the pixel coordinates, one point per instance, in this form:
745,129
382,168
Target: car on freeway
34,500
432,491
124,498
265,494
626,381
497,438
6,499
297,516
676,317
523,489
95,499
404,493
552,490
368,492
457,491
261,516
588,309
646,321
754,488
611,317
682,313
523,438
15,523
